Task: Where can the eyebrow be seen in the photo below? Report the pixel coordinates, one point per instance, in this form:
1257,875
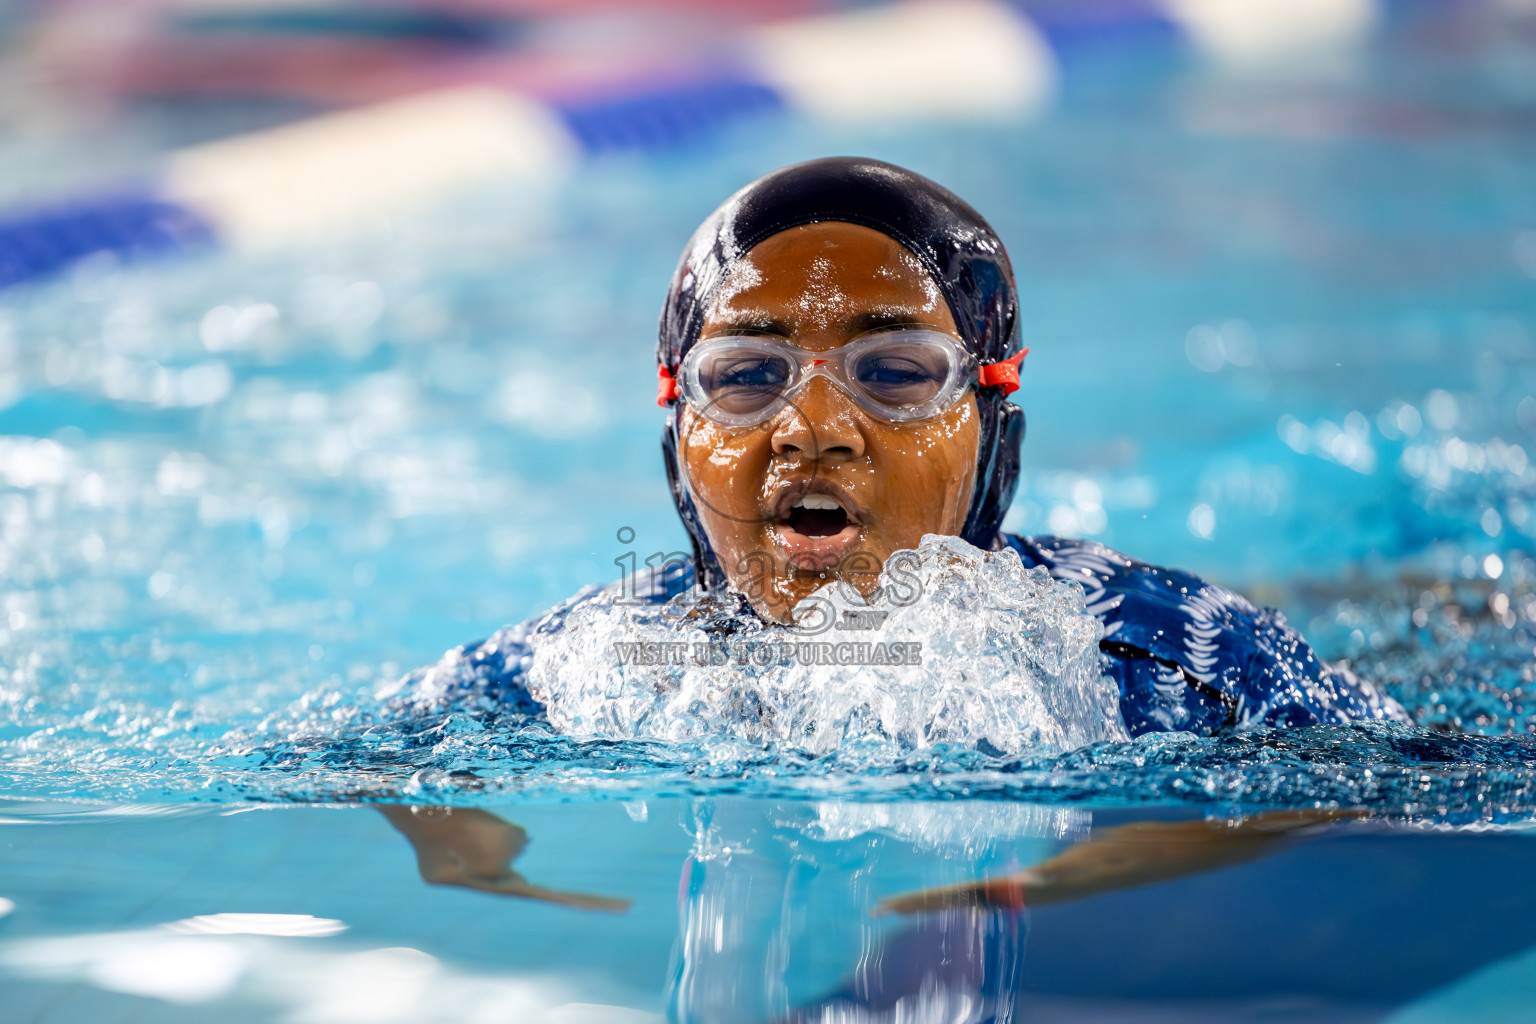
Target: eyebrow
859,323
863,323
751,324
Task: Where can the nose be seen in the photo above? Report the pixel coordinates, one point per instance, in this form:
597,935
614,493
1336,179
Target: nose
819,424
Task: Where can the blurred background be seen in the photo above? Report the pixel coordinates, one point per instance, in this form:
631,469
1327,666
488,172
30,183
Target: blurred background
326,327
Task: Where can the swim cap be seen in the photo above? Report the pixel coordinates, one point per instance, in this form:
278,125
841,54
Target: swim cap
957,247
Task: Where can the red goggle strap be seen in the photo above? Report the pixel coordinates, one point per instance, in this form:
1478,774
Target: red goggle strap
1003,375
666,387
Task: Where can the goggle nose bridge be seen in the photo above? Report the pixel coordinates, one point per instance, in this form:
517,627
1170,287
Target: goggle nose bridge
820,368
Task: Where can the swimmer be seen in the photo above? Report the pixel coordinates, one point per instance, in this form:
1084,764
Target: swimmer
836,357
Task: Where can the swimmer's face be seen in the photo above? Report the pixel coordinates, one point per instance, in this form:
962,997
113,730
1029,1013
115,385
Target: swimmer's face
819,287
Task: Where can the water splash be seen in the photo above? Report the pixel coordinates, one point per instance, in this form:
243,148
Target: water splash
944,825
1008,663
116,740
370,490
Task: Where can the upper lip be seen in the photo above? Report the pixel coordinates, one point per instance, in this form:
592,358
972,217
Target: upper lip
783,496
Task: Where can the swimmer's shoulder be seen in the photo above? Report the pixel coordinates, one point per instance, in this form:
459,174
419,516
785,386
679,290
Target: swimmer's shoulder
658,584
1208,632
1231,654
1111,579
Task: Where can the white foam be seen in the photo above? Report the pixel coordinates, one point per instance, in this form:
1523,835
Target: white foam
1009,664
941,825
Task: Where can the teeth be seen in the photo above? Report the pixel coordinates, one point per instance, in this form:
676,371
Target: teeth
818,501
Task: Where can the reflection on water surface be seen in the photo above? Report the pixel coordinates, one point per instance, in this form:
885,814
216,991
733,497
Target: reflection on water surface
755,910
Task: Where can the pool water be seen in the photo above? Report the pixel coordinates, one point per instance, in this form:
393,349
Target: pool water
1283,333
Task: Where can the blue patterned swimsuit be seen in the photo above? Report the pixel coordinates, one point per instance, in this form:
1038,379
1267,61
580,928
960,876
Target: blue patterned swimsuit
1187,655
1192,656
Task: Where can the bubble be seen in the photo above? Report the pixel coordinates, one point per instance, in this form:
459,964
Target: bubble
1092,519
1441,408
1063,520
1525,414
92,547
1238,344
160,584
1294,433
224,328
548,404
1202,521
1523,249
59,366
1202,346
1386,423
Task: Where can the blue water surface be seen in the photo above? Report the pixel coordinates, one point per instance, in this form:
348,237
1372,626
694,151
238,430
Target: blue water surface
1282,332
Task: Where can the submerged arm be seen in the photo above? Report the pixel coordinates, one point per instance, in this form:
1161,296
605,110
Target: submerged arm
474,849
1119,858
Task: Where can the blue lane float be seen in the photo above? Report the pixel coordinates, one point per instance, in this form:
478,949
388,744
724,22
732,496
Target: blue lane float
317,179
46,240
663,117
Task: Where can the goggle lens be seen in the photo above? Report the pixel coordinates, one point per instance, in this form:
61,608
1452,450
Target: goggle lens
744,381
897,375
904,376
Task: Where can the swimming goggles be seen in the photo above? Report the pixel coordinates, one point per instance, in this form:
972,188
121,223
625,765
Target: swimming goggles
900,375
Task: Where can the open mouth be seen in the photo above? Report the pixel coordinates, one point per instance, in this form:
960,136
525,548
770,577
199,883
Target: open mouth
817,515
818,527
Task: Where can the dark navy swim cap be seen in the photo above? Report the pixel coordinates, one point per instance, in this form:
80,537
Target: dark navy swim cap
958,248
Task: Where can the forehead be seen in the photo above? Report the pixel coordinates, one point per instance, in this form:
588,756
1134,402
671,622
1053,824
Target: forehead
833,267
